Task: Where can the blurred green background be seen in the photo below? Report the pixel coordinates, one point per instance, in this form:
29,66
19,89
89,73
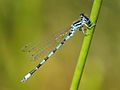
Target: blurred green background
23,21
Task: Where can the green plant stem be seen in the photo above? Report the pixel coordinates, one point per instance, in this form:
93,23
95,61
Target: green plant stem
85,46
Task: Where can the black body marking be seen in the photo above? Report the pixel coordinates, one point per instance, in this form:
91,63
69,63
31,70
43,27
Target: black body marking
46,58
76,22
54,50
38,65
33,71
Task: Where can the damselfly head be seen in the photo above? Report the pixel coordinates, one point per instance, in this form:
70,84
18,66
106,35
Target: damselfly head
85,19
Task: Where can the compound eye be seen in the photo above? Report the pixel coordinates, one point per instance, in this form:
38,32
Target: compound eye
81,14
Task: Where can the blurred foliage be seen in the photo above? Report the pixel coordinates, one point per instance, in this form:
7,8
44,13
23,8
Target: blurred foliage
23,21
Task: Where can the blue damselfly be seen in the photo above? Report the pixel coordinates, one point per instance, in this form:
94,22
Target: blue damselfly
75,26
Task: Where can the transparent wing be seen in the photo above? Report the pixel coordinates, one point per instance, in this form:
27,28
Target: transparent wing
37,51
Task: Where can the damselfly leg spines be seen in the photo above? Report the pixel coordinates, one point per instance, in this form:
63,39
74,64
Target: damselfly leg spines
83,21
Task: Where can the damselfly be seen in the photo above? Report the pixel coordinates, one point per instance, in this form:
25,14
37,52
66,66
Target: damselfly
77,25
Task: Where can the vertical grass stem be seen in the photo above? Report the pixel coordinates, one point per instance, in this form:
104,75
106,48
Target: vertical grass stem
85,46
